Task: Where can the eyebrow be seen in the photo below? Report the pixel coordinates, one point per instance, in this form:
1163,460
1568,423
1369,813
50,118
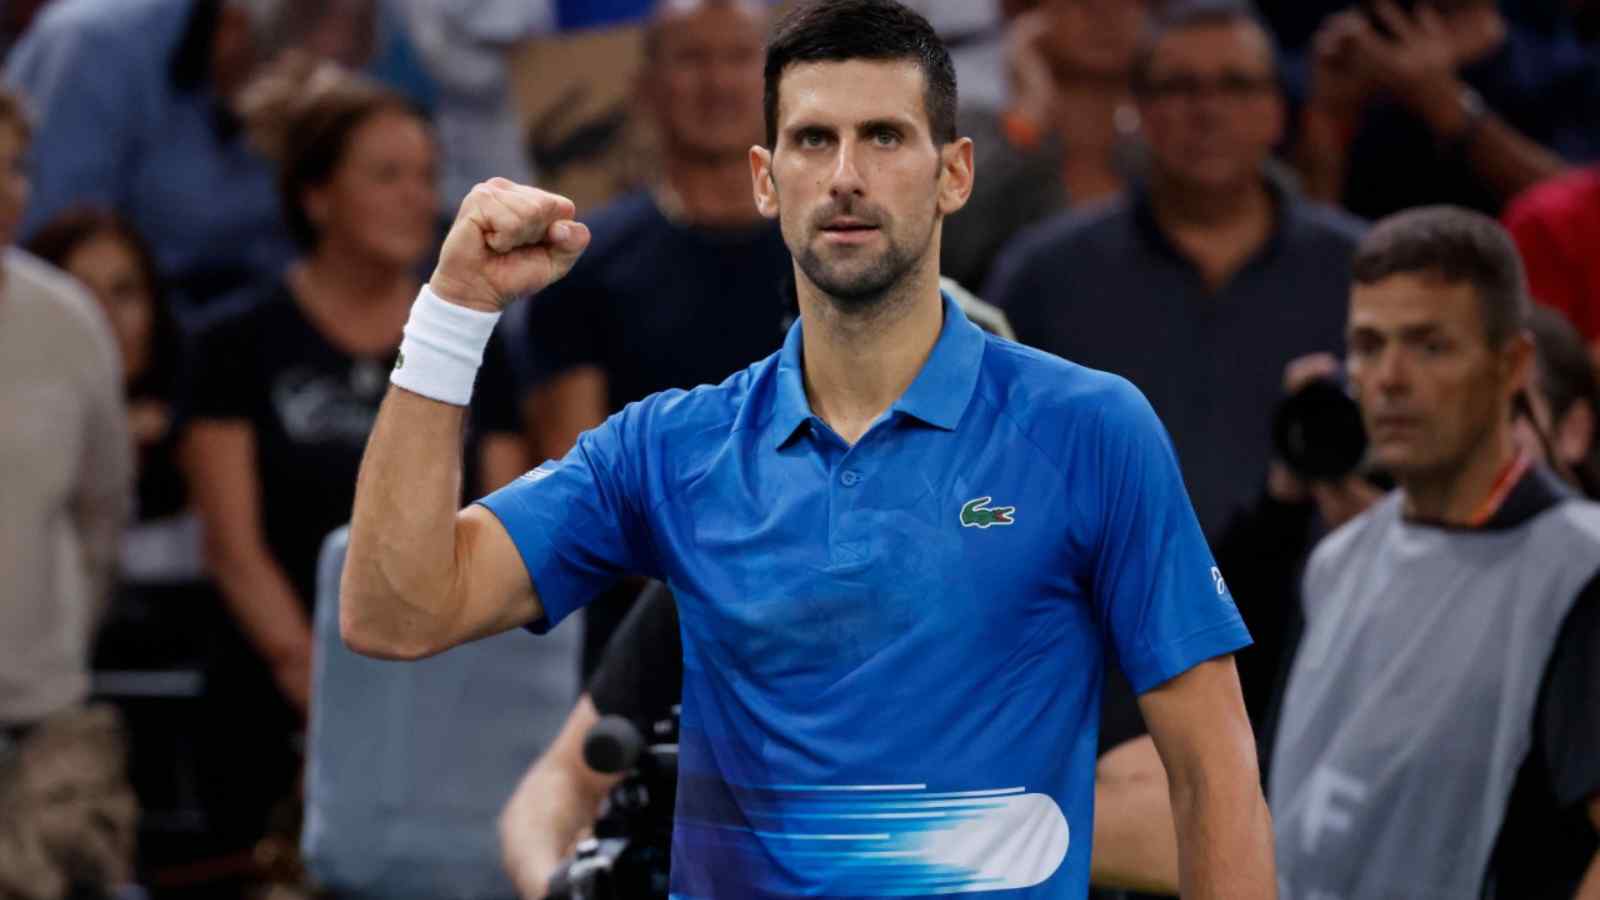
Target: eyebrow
896,123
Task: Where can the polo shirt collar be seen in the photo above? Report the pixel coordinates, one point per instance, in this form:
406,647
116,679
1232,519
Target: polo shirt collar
938,396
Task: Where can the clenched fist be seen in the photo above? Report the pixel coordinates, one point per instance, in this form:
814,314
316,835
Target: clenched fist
508,241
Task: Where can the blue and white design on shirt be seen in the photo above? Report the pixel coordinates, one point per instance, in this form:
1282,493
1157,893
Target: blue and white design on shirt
902,839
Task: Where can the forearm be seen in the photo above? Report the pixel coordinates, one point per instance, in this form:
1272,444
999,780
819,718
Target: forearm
1322,154
1590,888
1503,158
397,591
1224,838
258,595
1508,162
550,810
1135,843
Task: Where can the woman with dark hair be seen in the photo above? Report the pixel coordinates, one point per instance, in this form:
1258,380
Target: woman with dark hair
282,388
102,250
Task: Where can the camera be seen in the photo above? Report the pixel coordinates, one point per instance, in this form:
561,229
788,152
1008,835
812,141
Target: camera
630,855
1318,432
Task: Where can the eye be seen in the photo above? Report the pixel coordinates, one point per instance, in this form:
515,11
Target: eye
811,140
886,137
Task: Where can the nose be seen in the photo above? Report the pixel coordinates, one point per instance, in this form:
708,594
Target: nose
846,177
1391,373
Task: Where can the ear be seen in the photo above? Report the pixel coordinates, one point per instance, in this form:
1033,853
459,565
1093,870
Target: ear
1575,434
763,182
1517,362
956,175
315,202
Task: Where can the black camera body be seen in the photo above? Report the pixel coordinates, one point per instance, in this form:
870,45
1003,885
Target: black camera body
630,855
1318,431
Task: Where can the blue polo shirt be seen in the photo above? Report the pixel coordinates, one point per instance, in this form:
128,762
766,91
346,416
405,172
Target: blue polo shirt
893,651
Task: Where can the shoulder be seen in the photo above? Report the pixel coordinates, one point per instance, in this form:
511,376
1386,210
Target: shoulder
1325,225
1350,539
1557,200
1041,252
105,29
1058,403
1078,228
246,315
63,309
1577,522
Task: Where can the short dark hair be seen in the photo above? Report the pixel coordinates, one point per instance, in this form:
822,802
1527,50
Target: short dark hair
317,135
841,30
1457,246
1182,15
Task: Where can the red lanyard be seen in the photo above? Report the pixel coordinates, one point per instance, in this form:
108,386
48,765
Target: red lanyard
1509,476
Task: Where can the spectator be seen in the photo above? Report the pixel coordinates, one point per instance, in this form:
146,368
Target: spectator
281,393
1439,735
1557,227
102,251
1447,104
1203,282
681,285
138,111
1563,409
1064,138
65,475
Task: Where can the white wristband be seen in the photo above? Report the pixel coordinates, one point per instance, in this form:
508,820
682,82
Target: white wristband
442,349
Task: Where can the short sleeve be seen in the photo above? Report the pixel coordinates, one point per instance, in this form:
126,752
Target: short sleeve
1158,592
217,382
1570,703
579,523
562,328
640,676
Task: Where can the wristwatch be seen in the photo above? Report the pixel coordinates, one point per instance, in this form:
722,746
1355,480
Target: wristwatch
1474,112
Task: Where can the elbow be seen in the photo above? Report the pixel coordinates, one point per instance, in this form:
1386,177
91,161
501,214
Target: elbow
368,632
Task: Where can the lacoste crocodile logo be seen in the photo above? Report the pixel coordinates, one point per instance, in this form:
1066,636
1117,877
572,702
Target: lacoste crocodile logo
977,514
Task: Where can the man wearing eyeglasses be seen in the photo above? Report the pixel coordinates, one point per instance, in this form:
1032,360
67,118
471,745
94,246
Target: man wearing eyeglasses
1207,277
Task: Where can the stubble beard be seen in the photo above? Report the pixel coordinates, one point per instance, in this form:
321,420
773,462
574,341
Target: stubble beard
868,288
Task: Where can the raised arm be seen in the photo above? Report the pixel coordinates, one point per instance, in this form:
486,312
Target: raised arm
420,576
1224,828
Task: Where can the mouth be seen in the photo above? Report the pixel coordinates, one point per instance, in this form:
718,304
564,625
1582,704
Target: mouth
848,231
1390,423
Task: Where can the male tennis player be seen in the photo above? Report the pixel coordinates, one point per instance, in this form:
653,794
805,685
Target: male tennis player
901,548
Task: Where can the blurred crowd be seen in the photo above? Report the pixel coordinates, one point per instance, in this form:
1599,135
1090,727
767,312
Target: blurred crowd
216,215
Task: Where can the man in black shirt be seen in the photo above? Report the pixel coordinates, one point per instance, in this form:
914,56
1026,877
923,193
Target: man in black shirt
681,285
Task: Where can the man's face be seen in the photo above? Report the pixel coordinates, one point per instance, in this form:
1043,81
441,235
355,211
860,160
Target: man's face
705,79
1210,105
855,179
1431,389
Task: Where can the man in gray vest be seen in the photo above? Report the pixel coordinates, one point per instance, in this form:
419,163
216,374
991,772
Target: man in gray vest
1439,734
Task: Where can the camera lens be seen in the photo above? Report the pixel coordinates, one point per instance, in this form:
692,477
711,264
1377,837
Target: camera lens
1318,432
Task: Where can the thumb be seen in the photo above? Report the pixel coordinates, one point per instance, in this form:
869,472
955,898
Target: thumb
567,240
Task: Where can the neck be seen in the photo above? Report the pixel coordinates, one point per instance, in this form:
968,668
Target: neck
1453,497
1179,206
355,280
707,190
858,363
